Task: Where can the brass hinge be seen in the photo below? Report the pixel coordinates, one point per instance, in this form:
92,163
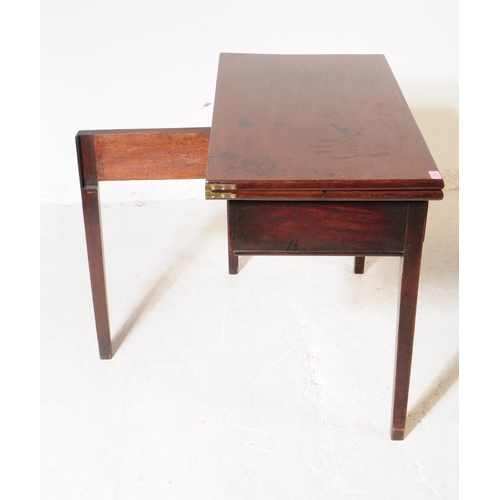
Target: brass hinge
220,191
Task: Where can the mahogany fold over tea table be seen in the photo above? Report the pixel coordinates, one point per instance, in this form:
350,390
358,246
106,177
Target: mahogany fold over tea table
315,155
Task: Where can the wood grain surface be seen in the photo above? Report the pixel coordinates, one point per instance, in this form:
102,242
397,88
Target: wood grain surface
302,122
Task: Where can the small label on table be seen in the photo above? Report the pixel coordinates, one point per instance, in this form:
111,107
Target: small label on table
435,174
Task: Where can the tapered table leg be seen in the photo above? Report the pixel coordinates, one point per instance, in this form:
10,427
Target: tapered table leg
410,273
92,220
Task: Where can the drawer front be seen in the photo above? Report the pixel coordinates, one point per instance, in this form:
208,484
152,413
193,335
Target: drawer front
274,227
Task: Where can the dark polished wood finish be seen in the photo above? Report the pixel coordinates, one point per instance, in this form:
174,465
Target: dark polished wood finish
108,155
320,155
331,195
312,228
93,233
410,275
330,124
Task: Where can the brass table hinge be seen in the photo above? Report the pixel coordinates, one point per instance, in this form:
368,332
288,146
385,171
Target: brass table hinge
220,191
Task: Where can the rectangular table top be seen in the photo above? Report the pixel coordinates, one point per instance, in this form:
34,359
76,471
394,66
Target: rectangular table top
315,127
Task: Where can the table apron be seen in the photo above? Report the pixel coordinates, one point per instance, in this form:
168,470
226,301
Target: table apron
311,228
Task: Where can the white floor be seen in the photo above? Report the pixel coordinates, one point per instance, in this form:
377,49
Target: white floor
272,384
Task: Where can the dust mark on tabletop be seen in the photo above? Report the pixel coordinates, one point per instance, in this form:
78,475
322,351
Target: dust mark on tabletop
344,130
293,245
244,122
260,166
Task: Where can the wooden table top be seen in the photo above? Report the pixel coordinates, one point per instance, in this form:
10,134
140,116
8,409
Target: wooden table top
315,127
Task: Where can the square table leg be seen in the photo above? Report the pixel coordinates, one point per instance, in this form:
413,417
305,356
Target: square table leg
408,294
92,221
359,265
232,257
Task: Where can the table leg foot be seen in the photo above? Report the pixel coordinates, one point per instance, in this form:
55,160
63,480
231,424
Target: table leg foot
233,263
397,434
359,265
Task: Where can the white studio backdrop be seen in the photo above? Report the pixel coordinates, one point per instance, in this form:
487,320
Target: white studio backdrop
109,64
